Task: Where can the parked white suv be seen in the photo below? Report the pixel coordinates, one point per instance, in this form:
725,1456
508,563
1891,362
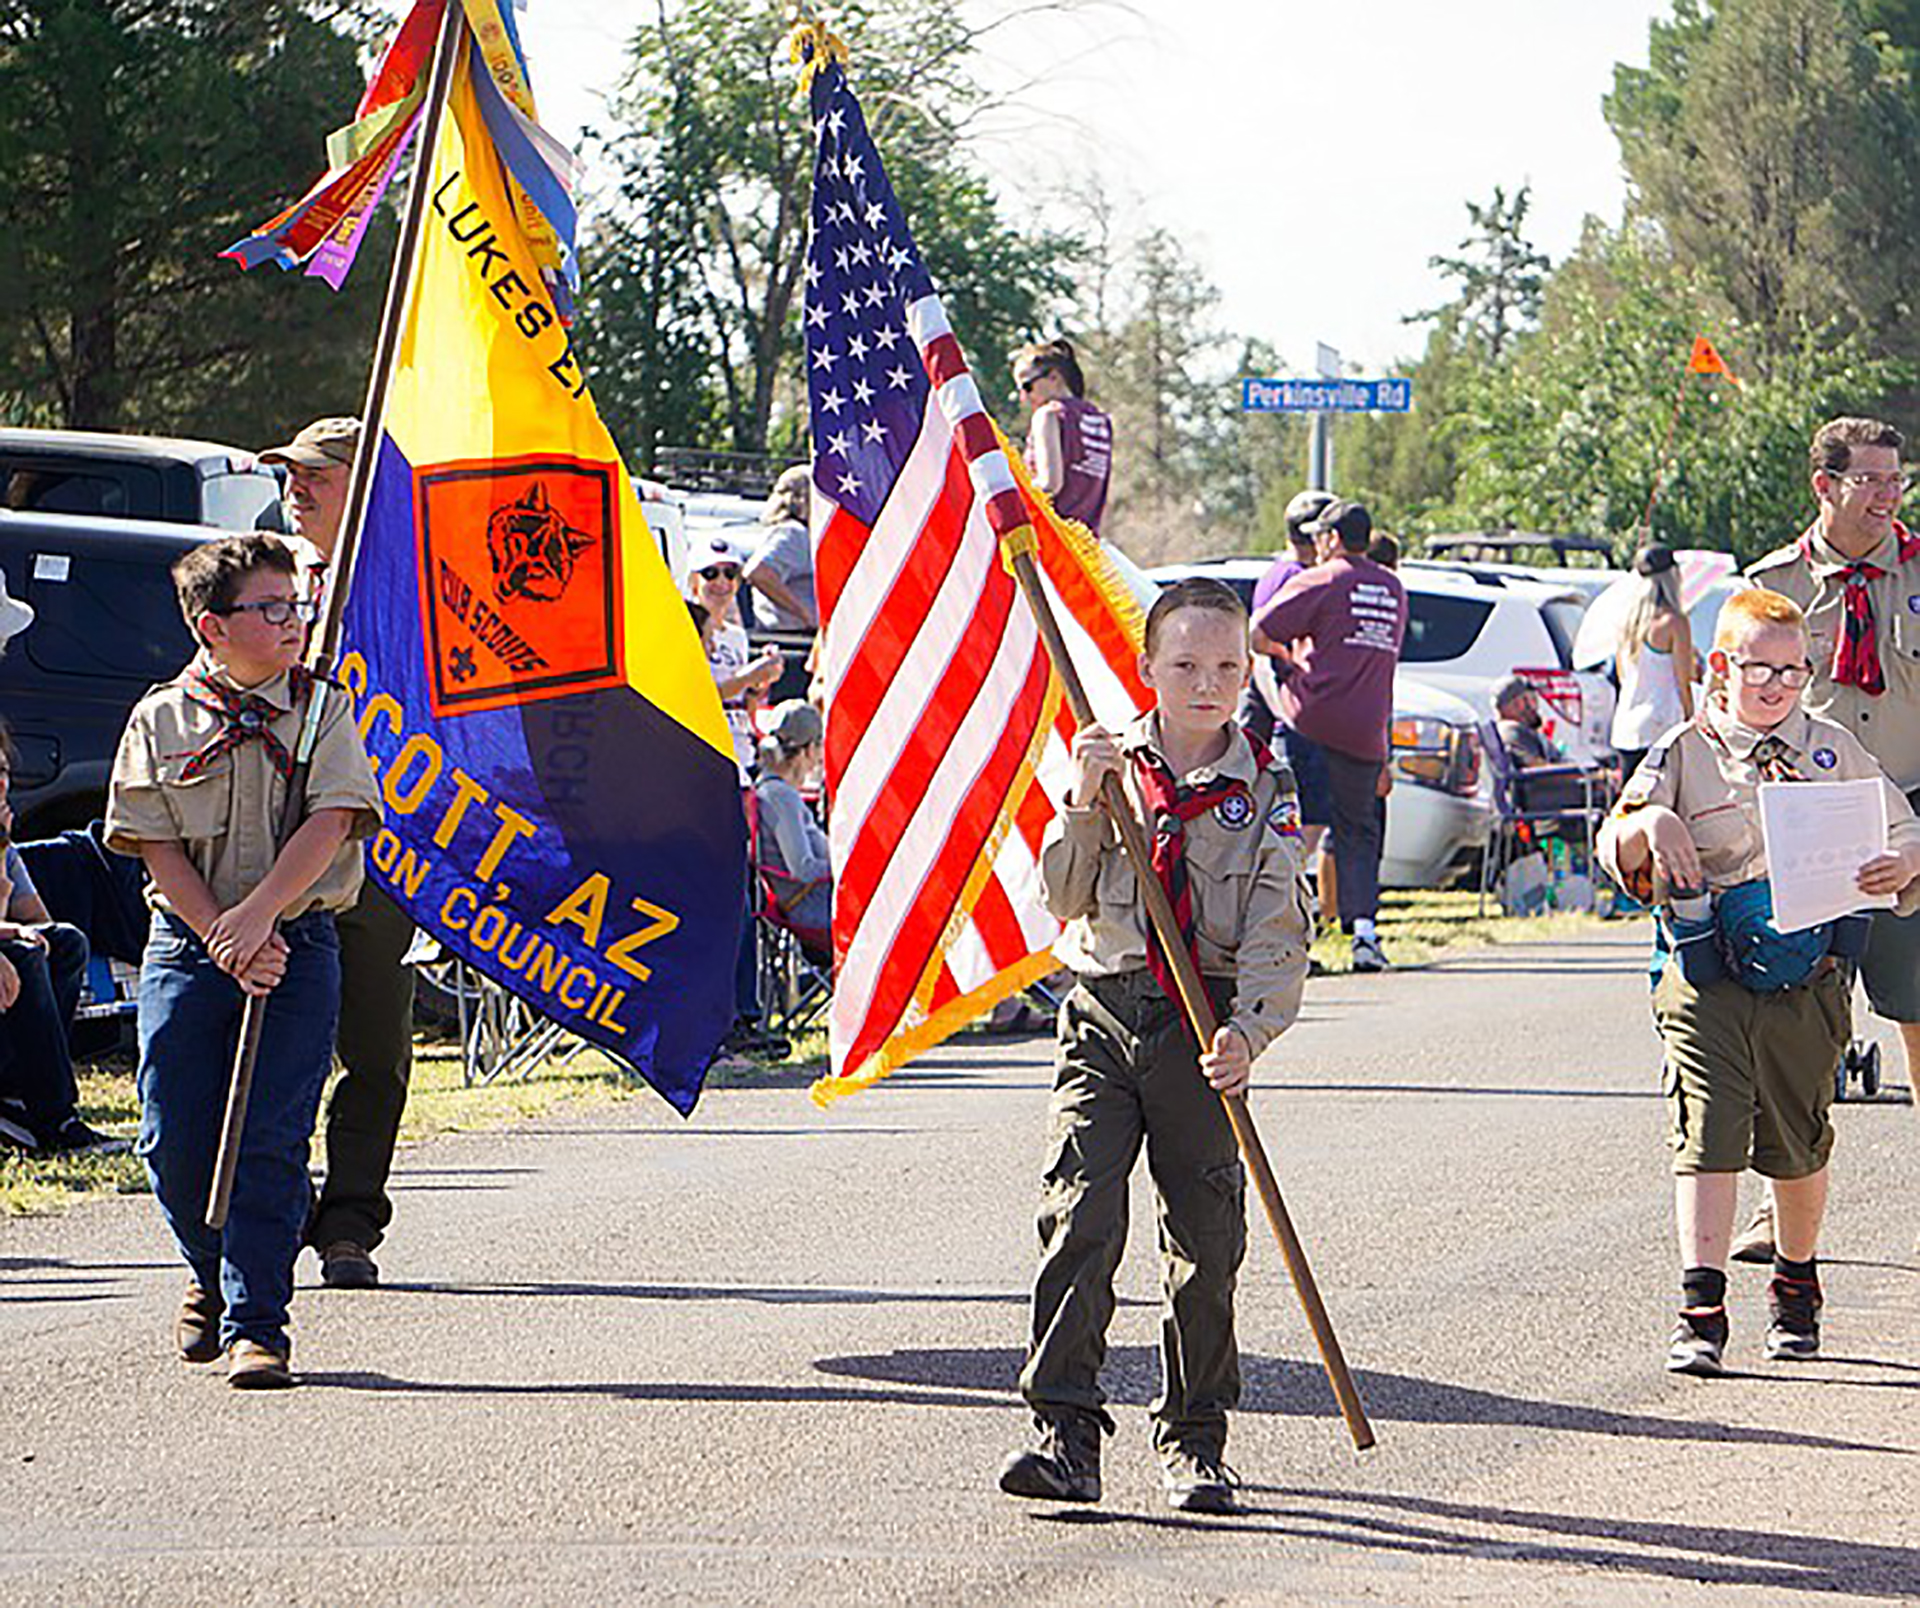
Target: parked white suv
1440,812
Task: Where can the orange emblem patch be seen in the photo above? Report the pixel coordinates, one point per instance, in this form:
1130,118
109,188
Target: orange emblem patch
519,580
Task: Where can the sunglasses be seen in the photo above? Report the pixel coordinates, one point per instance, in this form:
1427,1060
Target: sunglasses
1027,382
720,572
278,610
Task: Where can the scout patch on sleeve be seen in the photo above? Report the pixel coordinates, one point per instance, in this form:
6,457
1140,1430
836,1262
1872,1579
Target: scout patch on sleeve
1825,758
1284,816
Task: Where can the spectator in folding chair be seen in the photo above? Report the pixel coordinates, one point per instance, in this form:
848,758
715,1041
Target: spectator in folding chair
42,965
791,844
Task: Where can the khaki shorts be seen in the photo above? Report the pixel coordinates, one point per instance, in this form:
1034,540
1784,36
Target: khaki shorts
1749,1076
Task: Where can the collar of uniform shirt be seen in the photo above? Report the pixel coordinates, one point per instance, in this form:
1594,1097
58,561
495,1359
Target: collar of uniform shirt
278,691
1237,761
1827,560
1741,739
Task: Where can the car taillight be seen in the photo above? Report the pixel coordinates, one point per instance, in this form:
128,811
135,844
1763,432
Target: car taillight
1561,688
1435,753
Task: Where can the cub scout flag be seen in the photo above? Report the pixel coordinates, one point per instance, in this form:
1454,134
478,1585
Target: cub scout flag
946,732
562,807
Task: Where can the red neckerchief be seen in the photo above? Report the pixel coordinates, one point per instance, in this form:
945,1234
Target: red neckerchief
1170,805
1856,655
246,717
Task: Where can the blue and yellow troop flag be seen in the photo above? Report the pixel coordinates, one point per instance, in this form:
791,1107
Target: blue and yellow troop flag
562,808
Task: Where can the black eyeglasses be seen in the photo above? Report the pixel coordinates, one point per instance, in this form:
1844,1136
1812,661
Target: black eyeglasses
1027,382
719,572
278,610
1791,676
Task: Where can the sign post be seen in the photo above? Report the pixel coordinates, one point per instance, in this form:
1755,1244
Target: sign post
1319,398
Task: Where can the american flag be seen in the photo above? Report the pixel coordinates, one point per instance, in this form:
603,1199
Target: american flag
946,735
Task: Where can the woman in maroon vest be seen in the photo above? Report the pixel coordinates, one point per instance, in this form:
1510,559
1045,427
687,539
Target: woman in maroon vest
1070,441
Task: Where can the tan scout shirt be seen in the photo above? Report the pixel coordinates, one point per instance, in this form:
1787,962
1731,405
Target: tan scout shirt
227,816
1714,788
1250,910
1888,725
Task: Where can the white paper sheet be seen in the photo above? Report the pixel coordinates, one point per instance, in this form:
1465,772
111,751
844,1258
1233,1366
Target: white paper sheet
1818,835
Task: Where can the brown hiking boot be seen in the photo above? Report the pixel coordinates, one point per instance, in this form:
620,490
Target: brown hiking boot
252,1366
1062,1465
196,1329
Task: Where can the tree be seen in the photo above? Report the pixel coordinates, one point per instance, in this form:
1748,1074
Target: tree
1778,145
1593,408
715,144
139,138
1501,277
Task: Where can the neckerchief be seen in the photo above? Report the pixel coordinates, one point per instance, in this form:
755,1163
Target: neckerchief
1856,655
1170,805
245,717
1769,753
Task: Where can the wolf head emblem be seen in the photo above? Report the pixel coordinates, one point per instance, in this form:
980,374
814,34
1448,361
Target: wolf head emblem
532,548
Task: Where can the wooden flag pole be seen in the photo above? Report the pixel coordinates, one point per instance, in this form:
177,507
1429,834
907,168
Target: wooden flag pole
326,637
1193,995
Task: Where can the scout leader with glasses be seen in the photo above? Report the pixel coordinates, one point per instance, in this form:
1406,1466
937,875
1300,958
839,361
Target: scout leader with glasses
1855,573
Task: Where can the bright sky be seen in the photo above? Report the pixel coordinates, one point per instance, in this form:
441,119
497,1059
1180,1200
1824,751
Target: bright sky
1312,155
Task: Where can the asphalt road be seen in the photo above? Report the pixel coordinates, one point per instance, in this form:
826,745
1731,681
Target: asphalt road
768,1356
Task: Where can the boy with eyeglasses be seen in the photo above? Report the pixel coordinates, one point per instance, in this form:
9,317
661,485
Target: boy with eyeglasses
197,791
1855,571
1753,1021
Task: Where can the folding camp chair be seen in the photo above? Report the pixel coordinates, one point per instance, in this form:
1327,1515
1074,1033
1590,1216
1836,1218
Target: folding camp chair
1522,820
796,961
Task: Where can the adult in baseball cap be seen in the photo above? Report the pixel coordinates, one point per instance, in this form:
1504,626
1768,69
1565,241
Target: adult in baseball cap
318,462
375,1036
1304,508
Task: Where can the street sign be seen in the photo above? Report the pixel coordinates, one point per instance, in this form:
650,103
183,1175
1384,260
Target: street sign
1326,396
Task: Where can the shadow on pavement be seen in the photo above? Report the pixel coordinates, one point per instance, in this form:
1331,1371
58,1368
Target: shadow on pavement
1291,1388
762,1295
743,1391
40,1280
1692,1552
1310,1086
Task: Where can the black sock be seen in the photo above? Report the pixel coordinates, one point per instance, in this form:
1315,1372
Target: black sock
1807,1272
1703,1288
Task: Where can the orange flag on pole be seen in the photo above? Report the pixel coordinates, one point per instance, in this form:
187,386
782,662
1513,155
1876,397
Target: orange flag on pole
1705,360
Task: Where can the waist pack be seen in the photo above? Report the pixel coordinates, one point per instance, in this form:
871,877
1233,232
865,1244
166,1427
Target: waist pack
1739,941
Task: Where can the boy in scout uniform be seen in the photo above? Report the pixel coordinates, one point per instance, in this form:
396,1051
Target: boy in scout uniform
1225,825
197,791
1855,572
1750,1054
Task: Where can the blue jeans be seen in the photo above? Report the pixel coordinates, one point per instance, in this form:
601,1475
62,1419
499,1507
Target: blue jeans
36,1066
189,1027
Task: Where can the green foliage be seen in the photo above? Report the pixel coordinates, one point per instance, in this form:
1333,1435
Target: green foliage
1777,144
1501,274
702,261
138,139
1597,405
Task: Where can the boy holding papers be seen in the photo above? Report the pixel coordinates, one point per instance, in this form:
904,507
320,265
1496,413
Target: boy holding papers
1754,1021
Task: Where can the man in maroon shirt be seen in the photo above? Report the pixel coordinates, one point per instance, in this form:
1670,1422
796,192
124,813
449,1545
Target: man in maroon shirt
1341,624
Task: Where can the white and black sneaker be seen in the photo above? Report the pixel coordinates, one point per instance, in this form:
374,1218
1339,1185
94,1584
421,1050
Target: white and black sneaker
1699,1343
1368,956
14,1132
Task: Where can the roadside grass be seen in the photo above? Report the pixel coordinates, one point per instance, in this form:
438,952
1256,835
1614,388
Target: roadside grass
437,1102
1415,927
1418,924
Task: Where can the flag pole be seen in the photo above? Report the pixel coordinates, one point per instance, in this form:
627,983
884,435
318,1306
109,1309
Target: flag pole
1660,463
325,640
1018,546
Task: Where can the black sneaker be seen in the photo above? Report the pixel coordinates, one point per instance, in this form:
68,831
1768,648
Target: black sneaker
1199,1482
74,1138
1794,1333
16,1135
1062,1465
1368,956
1699,1342
750,1038
345,1265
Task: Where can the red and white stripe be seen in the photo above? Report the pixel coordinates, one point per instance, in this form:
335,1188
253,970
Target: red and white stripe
938,689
